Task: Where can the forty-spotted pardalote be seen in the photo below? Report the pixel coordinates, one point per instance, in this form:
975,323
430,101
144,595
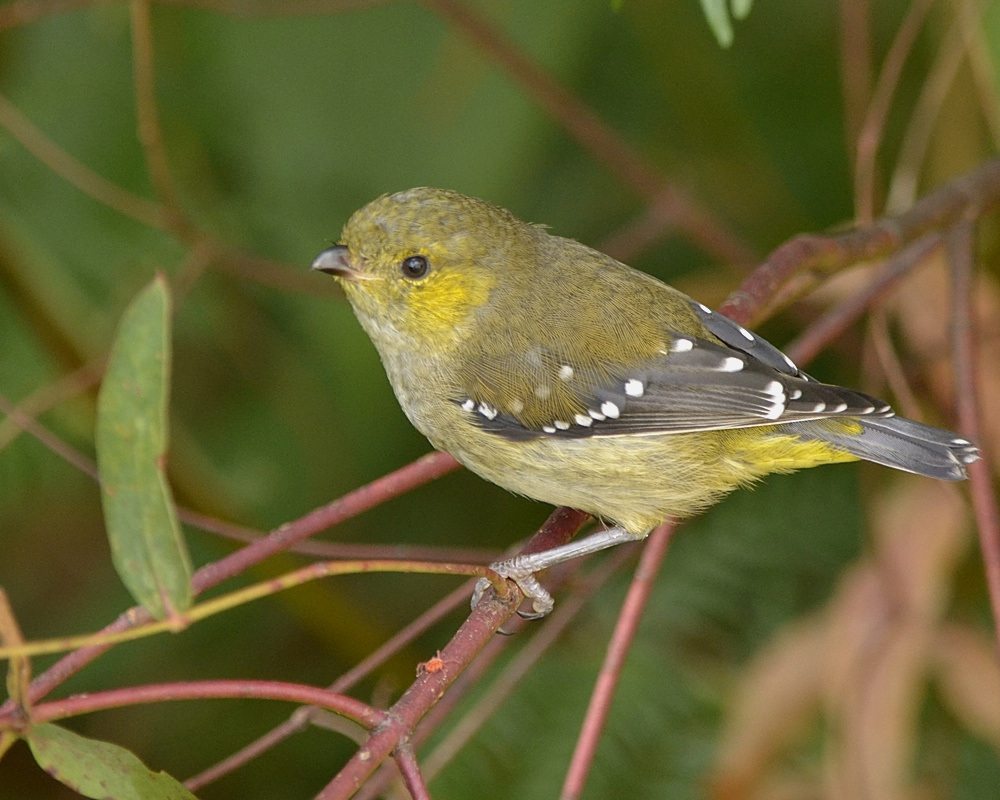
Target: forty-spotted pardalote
559,373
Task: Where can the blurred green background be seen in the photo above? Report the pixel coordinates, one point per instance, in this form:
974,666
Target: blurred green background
276,128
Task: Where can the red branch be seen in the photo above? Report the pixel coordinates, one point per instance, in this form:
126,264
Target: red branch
362,713
961,251
481,625
639,590
379,491
968,197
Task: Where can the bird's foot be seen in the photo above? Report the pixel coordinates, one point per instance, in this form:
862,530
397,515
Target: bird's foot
541,601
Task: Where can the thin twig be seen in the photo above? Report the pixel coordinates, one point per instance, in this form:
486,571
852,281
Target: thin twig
870,135
595,136
558,528
330,550
402,480
52,394
225,602
923,120
72,706
148,121
268,8
301,717
296,722
18,671
565,612
65,451
961,253
621,640
654,222
23,421
835,321
23,12
409,769
890,366
480,626
76,174
980,60
969,197
855,66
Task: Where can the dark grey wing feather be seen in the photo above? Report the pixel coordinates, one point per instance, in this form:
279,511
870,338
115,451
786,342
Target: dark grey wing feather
739,338
902,444
698,385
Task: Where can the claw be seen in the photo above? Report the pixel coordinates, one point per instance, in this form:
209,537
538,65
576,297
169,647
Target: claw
541,601
477,593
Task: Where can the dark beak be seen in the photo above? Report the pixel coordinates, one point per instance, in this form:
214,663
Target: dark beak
336,261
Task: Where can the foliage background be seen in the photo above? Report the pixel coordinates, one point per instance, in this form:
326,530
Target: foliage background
277,127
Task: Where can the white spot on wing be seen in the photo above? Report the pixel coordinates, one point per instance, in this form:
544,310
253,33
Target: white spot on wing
682,345
516,406
819,407
795,394
566,372
596,414
777,394
582,419
745,333
704,308
790,363
731,364
634,388
563,426
548,429
542,391
839,407
469,404
609,409
487,411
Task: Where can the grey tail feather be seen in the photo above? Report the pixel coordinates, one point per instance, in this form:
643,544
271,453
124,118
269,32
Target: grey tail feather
903,444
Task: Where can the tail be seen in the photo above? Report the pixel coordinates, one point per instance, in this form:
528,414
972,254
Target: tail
902,444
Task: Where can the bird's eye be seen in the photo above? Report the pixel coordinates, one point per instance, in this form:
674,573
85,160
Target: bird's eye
415,266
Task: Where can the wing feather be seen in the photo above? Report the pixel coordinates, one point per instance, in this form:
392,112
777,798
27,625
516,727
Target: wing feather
739,380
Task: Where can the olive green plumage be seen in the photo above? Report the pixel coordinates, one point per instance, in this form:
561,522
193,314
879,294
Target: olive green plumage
559,373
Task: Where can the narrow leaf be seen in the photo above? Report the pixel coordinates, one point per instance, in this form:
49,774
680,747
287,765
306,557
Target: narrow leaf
99,770
717,14
741,8
146,543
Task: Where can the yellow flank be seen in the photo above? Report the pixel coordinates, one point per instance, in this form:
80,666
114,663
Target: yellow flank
777,452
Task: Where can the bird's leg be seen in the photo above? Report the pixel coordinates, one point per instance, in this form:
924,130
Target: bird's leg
521,569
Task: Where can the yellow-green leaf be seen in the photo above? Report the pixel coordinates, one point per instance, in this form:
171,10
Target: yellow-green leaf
146,543
99,770
717,13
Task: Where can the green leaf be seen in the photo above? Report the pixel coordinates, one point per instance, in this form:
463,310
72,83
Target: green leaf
99,770
717,13
146,543
741,8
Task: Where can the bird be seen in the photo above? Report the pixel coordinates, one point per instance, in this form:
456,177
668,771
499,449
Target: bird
561,374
